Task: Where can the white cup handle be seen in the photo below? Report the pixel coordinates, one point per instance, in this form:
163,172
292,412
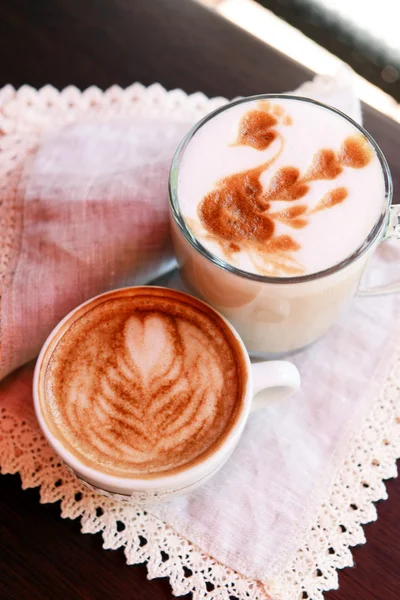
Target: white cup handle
273,381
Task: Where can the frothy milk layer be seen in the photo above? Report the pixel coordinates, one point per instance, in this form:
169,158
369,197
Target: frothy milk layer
143,383
281,187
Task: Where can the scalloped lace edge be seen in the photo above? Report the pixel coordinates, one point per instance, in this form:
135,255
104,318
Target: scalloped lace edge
359,480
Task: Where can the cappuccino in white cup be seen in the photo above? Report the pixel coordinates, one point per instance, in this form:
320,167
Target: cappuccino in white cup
144,392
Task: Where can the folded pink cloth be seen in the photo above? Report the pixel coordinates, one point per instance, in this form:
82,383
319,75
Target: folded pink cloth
90,213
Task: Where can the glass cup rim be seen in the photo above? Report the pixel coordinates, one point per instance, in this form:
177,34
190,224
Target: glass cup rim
226,266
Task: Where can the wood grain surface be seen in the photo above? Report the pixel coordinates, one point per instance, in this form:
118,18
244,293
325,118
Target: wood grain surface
179,44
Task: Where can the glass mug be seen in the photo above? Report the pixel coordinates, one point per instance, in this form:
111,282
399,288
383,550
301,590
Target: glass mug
277,315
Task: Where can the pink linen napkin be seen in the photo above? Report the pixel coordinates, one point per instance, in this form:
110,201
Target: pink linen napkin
90,214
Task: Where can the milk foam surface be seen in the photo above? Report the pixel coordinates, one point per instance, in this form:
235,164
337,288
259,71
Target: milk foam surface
325,221
144,384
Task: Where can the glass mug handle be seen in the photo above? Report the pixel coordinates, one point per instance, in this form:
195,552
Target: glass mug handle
393,231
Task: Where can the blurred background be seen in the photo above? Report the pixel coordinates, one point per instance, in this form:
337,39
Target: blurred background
103,42
325,34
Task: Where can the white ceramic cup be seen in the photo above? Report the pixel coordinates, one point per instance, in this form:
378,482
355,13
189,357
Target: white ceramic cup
266,382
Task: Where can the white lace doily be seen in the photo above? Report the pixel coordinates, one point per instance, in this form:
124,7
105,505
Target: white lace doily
359,479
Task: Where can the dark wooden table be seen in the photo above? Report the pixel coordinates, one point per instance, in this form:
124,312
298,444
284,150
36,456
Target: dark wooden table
179,44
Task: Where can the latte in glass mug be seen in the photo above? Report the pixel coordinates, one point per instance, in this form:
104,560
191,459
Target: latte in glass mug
277,203
145,391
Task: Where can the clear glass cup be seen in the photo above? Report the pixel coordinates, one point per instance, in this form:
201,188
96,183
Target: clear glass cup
278,315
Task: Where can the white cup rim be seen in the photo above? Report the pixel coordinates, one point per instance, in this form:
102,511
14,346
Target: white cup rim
183,477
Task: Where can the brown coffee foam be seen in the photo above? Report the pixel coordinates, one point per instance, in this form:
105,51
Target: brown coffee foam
333,197
130,407
326,164
356,152
256,129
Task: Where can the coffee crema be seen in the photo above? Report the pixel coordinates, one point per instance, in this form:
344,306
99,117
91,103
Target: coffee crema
143,383
294,177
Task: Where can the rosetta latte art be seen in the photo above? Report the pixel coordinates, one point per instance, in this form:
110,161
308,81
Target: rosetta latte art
143,387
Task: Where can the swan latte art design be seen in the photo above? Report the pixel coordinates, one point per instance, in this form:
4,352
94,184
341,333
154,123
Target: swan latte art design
280,187
143,383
